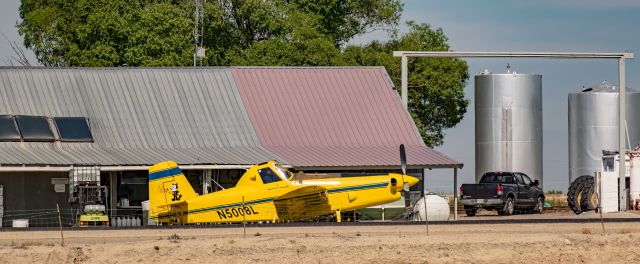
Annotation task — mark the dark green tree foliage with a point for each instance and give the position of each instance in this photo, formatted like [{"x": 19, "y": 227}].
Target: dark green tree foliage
[{"x": 89, "y": 33}]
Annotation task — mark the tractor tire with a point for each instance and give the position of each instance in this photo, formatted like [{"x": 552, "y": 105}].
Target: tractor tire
[
  {"x": 587, "y": 201},
  {"x": 579, "y": 194}
]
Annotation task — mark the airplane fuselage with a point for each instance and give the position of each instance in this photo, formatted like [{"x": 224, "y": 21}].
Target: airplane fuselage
[{"x": 262, "y": 194}]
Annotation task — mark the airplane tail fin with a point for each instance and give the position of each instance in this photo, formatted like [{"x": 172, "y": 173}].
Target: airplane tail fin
[{"x": 168, "y": 188}]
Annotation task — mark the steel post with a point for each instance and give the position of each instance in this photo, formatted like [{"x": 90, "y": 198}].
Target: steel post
[
  {"x": 622, "y": 136},
  {"x": 404, "y": 72},
  {"x": 455, "y": 194}
]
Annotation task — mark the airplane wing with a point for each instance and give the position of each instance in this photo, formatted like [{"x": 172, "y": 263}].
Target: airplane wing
[{"x": 304, "y": 202}]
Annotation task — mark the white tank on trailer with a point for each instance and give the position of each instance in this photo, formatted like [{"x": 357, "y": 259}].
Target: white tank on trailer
[{"x": 437, "y": 209}]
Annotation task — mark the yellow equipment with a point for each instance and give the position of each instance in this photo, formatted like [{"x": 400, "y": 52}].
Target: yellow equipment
[
  {"x": 267, "y": 192},
  {"x": 94, "y": 216},
  {"x": 90, "y": 199}
]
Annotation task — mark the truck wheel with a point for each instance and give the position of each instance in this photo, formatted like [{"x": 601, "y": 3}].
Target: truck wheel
[
  {"x": 539, "y": 205},
  {"x": 470, "y": 212},
  {"x": 508, "y": 207}
]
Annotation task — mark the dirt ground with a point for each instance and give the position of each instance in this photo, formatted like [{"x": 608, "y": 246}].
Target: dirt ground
[{"x": 472, "y": 243}]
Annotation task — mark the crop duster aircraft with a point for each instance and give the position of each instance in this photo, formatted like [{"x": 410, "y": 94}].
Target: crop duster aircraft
[{"x": 268, "y": 192}]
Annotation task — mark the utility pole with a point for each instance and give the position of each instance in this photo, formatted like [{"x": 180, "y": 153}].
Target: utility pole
[{"x": 195, "y": 35}]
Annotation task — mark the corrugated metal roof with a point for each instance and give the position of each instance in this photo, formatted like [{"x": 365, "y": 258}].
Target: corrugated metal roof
[
  {"x": 137, "y": 116},
  {"x": 332, "y": 117}
]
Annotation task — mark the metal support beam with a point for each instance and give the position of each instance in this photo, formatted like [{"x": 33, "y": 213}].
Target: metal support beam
[
  {"x": 206, "y": 181},
  {"x": 113, "y": 193},
  {"x": 621, "y": 57},
  {"x": 482, "y": 54},
  {"x": 405, "y": 81},
  {"x": 622, "y": 136},
  {"x": 455, "y": 194},
  {"x": 120, "y": 168}
]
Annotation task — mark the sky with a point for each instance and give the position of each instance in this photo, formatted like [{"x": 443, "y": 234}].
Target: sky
[
  {"x": 501, "y": 25},
  {"x": 543, "y": 25}
]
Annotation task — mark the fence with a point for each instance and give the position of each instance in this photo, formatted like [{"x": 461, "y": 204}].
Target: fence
[{"x": 68, "y": 217}]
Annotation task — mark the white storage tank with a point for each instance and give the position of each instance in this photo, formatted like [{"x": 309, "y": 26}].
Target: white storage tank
[
  {"x": 508, "y": 125},
  {"x": 593, "y": 126},
  {"x": 437, "y": 209}
]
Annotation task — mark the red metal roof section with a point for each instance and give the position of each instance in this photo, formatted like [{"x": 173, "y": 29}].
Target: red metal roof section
[{"x": 332, "y": 116}]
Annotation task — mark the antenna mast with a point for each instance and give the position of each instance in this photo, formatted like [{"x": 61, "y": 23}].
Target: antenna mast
[{"x": 198, "y": 36}]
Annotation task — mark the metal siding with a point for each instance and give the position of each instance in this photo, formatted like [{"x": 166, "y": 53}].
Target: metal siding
[
  {"x": 332, "y": 117},
  {"x": 138, "y": 116}
]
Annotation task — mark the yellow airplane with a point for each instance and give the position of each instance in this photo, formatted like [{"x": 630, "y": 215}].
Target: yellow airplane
[{"x": 267, "y": 192}]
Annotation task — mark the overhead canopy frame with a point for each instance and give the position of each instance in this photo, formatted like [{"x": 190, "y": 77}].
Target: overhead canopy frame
[{"x": 621, "y": 57}]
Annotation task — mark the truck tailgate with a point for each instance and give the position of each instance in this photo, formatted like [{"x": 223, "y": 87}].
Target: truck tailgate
[{"x": 481, "y": 190}]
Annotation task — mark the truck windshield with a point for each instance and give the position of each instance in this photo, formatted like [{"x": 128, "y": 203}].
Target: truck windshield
[{"x": 498, "y": 178}]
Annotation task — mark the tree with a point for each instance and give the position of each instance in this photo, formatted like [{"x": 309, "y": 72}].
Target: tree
[
  {"x": 250, "y": 32},
  {"x": 344, "y": 19},
  {"x": 107, "y": 33}
]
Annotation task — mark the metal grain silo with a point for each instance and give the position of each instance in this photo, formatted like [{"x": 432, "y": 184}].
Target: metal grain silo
[
  {"x": 593, "y": 126},
  {"x": 509, "y": 123}
]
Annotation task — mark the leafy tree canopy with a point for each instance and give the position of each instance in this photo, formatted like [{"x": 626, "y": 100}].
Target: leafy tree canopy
[{"x": 88, "y": 33}]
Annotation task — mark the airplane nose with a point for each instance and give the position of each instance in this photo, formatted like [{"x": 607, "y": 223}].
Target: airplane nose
[{"x": 410, "y": 180}]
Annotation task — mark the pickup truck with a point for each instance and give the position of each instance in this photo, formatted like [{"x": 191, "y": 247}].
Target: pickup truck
[{"x": 504, "y": 192}]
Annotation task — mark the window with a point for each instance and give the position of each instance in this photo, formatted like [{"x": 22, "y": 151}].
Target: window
[
  {"x": 73, "y": 129},
  {"x": 8, "y": 129},
  {"x": 284, "y": 173},
  {"x": 498, "y": 178},
  {"x": 519, "y": 177},
  {"x": 268, "y": 176},
  {"x": 34, "y": 128},
  {"x": 608, "y": 164},
  {"x": 526, "y": 180}
]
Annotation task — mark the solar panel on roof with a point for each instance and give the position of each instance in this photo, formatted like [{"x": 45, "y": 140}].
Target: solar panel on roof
[
  {"x": 8, "y": 129},
  {"x": 34, "y": 128},
  {"x": 73, "y": 129}
]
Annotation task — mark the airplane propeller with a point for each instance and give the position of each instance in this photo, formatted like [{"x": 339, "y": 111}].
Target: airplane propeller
[
  {"x": 403, "y": 165},
  {"x": 405, "y": 185}
]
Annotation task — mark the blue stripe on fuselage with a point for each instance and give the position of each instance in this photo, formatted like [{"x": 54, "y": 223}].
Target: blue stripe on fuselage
[
  {"x": 164, "y": 173},
  {"x": 359, "y": 187},
  {"x": 201, "y": 210}
]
